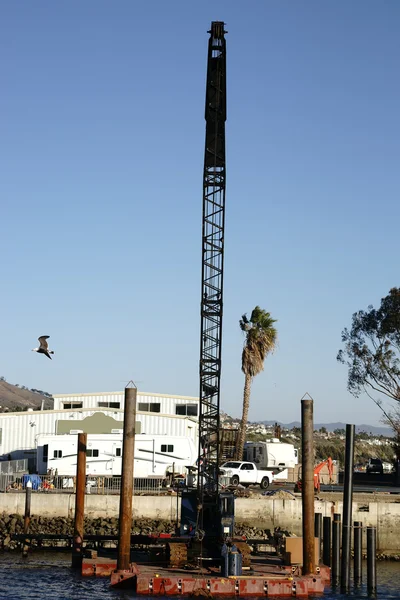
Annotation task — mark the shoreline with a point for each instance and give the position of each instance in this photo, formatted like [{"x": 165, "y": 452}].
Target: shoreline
[
  {"x": 255, "y": 512},
  {"x": 14, "y": 524}
]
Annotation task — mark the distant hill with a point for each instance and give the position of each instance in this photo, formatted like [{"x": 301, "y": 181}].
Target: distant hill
[
  {"x": 17, "y": 397},
  {"x": 332, "y": 426}
]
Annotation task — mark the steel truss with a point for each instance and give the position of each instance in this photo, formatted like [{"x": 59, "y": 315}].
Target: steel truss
[{"x": 212, "y": 267}]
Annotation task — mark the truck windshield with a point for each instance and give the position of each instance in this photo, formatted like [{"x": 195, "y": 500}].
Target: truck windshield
[{"x": 232, "y": 465}]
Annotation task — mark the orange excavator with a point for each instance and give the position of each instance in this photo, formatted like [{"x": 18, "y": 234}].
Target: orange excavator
[{"x": 317, "y": 470}]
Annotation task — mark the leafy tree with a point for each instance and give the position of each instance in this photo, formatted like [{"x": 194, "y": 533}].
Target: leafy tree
[
  {"x": 260, "y": 340},
  {"x": 323, "y": 430},
  {"x": 372, "y": 354},
  {"x": 339, "y": 431},
  {"x": 334, "y": 449}
]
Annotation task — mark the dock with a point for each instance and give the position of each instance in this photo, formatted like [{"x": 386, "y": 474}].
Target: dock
[{"x": 264, "y": 578}]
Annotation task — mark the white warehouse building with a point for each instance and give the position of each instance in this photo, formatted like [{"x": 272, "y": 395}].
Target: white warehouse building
[
  {"x": 157, "y": 414},
  {"x": 153, "y": 403}
]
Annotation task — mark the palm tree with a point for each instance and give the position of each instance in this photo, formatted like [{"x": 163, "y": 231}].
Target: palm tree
[{"x": 261, "y": 337}]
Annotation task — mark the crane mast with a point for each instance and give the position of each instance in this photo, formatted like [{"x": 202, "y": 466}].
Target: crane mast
[
  {"x": 212, "y": 269},
  {"x": 207, "y": 513}
]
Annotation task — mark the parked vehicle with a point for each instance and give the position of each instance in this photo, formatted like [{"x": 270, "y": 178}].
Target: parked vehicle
[
  {"x": 374, "y": 465},
  {"x": 317, "y": 470},
  {"x": 273, "y": 454},
  {"x": 155, "y": 455},
  {"x": 387, "y": 467},
  {"x": 247, "y": 473}
]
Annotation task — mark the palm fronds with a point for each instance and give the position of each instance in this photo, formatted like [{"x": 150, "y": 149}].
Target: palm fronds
[{"x": 260, "y": 340}]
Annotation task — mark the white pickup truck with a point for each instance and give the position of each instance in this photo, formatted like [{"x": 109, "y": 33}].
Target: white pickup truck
[{"x": 246, "y": 473}]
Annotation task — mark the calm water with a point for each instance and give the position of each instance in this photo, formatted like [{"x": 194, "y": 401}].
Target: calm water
[{"x": 45, "y": 576}]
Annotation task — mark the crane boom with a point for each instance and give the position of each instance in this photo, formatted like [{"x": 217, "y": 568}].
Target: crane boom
[
  {"x": 207, "y": 513},
  {"x": 212, "y": 264}
]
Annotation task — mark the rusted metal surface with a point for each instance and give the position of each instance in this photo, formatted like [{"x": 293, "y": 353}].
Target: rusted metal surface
[
  {"x": 105, "y": 566},
  {"x": 245, "y": 551},
  {"x": 98, "y": 567},
  {"x": 322, "y": 571},
  {"x": 160, "y": 584},
  {"x": 125, "y": 578},
  {"x": 178, "y": 554},
  {"x": 307, "y": 446},
  {"x": 79, "y": 501},
  {"x": 125, "y": 504}
]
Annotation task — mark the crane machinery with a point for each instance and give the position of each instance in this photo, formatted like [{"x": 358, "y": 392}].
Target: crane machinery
[
  {"x": 204, "y": 536},
  {"x": 207, "y": 512},
  {"x": 317, "y": 470}
]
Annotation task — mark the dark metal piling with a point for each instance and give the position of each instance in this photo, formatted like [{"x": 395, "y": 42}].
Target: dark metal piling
[
  {"x": 79, "y": 502},
  {"x": 336, "y": 527},
  {"x": 371, "y": 560},
  {"x": 347, "y": 509},
  {"x": 397, "y": 472},
  {"x": 125, "y": 504},
  {"x": 357, "y": 553},
  {"x": 307, "y": 496},
  {"x": 326, "y": 548},
  {"x": 318, "y": 530},
  {"x": 27, "y": 516}
]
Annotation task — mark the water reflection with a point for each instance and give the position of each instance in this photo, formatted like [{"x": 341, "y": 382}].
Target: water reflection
[{"x": 45, "y": 576}]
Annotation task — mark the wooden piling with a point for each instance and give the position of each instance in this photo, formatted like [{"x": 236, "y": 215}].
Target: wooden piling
[
  {"x": 27, "y": 516},
  {"x": 307, "y": 444},
  {"x": 125, "y": 505},
  {"x": 79, "y": 501},
  {"x": 318, "y": 530}
]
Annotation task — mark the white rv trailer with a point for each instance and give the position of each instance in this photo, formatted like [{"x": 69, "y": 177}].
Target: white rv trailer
[
  {"x": 273, "y": 454},
  {"x": 155, "y": 455}
]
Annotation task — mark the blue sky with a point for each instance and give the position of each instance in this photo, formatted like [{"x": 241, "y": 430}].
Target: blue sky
[{"x": 102, "y": 129}]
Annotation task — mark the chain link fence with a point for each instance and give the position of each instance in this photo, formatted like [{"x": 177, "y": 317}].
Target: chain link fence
[{"x": 94, "y": 485}]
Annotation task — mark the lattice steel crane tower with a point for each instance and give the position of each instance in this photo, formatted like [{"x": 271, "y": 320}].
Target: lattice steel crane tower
[
  {"x": 208, "y": 512},
  {"x": 214, "y": 177}
]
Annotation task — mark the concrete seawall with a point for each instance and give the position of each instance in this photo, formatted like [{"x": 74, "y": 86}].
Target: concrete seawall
[{"x": 256, "y": 511}]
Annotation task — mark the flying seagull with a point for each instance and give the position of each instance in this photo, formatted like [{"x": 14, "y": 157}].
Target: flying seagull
[{"x": 44, "y": 347}]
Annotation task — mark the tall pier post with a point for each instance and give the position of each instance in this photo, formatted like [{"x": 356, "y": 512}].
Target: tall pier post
[
  {"x": 27, "y": 516},
  {"x": 125, "y": 504},
  {"x": 371, "y": 560},
  {"x": 327, "y": 528},
  {"x": 318, "y": 530},
  {"x": 347, "y": 508},
  {"x": 307, "y": 497},
  {"x": 336, "y": 527},
  {"x": 357, "y": 553},
  {"x": 79, "y": 501}
]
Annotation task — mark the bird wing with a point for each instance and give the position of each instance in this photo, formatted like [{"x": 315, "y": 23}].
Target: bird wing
[{"x": 42, "y": 341}]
